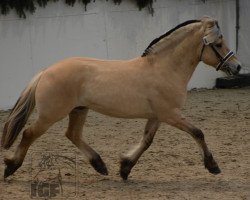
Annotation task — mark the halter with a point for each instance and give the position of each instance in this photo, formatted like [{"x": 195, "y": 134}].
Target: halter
[
  {"x": 222, "y": 60},
  {"x": 209, "y": 41}
]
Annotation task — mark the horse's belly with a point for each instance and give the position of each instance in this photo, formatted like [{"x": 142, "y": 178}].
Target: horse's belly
[
  {"x": 117, "y": 106},
  {"x": 122, "y": 113}
]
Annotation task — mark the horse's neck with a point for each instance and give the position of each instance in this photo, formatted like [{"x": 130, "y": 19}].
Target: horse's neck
[{"x": 180, "y": 55}]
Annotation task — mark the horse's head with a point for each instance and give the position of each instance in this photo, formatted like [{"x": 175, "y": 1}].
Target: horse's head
[{"x": 215, "y": 51}]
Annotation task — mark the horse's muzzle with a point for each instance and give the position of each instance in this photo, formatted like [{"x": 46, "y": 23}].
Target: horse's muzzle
[{"x": 231, "y": 69}]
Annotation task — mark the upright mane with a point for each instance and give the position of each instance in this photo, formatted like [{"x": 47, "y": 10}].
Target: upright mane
[{"x": 156, "y": 40}]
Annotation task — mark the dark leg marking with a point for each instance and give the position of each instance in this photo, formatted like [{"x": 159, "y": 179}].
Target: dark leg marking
[
  {"x": 11, "y": 167},
  {"x": 98, "y": 164},
  {"x": 209, "y": 161},
  {"x": 125, "y": 169},
  {"x": 129, "y": 161},
  {"x": 198, "y": 134},
  {"x": 211, "y": 165},
  {"x": 80, "y": 108}
]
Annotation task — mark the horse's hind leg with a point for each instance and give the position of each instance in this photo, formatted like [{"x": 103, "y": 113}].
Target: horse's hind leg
[
  {"x": 129, "y": 160},
  {"x": 77, "y": 118},
  {"x": 29, "y": 136}
]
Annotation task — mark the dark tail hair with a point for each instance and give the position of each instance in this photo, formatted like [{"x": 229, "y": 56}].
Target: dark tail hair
[{"x": 20, "y": 113}]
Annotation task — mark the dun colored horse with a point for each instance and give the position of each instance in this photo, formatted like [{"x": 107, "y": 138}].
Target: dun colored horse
[{"x": 152, "y": 86}]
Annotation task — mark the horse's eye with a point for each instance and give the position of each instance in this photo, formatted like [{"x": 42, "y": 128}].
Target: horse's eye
[{"x": 218, "y": 45}]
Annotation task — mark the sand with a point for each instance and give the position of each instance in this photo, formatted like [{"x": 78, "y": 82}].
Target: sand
[{"x": 171, "y": 168}]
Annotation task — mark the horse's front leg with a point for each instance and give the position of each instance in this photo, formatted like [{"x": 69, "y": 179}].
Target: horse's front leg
[
  {"x": 131, "y": 158},
  {"x": 180, "y": 122}
]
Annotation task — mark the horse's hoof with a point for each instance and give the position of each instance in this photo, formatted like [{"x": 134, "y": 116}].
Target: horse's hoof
[
  {"x": 214, "y": 170},
  {"x": 125, "y": 169},
  {"x": 124, "y": 175},
  {"x": 10, "y": 168},
  {"x": 211, "y": 165},
  {"x": 98, "y": 164}
]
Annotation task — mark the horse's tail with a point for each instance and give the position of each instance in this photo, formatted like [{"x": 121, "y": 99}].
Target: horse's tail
[{"x": 20, "y": 113}]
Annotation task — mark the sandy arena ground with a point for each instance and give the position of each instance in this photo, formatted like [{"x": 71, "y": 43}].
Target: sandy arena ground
[{"x": 170, "y": 169}]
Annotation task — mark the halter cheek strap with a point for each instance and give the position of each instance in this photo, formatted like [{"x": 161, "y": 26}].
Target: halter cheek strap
[{"x": 213, "y": 35}]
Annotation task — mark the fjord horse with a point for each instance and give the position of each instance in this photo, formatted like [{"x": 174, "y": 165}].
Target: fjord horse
[{"x": 153, "y": 86}]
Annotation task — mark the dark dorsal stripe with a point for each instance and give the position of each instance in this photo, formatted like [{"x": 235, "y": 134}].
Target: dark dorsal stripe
[{"x": 147, "y": 50}]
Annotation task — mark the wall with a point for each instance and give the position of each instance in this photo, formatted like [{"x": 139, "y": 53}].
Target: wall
[
  {"x": 244, "y": 33},
  {"x": 105, "y": 31}
]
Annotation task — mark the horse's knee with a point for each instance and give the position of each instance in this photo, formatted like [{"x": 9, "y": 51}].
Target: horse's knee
[{"x": 198, "y": 134}]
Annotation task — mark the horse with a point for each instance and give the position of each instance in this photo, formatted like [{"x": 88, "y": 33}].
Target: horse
[{"x": 152, "y": 86}]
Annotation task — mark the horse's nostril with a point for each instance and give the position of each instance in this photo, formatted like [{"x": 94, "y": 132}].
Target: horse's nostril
[{"x": 238, "y": 68}]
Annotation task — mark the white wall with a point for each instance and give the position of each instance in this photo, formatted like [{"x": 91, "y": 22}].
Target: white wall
[
  {"x": 105, "y": 30},
  {"x": 244, "y": 33}
]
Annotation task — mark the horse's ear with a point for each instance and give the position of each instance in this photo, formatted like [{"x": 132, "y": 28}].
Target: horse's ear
[{"x": 208, "y": 22}]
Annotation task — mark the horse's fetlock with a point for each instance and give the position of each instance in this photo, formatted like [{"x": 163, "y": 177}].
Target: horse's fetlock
[{"x": 198, "y": 134}]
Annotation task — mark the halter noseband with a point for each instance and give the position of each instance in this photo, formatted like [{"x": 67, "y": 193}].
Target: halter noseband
[
  {"x": 222, "y": 60},
  {"x": 209, "y": 41}
]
